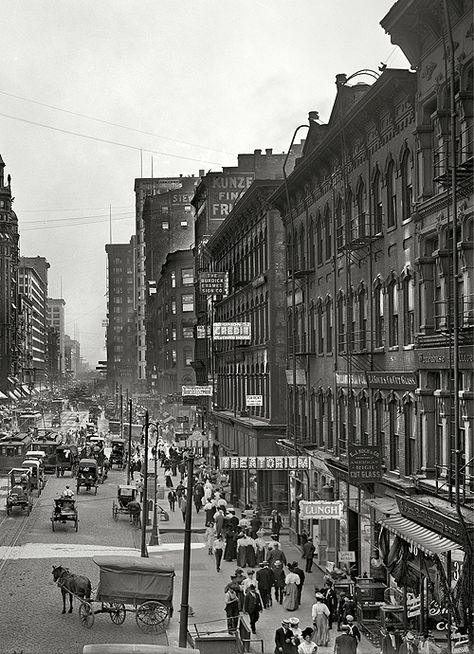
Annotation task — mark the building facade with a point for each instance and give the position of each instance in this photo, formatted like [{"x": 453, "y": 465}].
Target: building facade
[
  {"x": 9, "y": 261},
  {"x": 55, "y": 315},
  {"x": 72, "y": 357},
  {"x": 33, "y": 287},
  {"x": 173, "y": 320},
  {"x": 248, "y": 412},
  {"x": 121, "y": 335}
]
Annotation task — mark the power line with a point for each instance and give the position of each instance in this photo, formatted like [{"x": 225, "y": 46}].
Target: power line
[
  {"x": 124, "y": 206},
  {"x": 109, "y": 142},
  {"x": 42, "y": 226},
  {"x": 71, "y": 218},
  {"x": 107, "y": 122}
]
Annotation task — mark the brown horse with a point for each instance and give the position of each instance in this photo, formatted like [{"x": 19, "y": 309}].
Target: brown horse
[{"x": 71, "y": 584}]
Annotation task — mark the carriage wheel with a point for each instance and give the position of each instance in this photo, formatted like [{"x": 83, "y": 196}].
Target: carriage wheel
[
  {"x": 86, "y": 614},
  {"x": 117, "y": 612},
  {"x": 151, "y": 616},
  {"x": 114, "y": 511}
]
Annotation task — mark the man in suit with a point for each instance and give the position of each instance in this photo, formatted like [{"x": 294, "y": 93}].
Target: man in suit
[
  {"x": 391, "y": 641},
  {"x": 283, "y": 638},
  {"x": 252, "y": 606},
  {"x": 330, "y": 599},
  {"x": 298, "y": 571},
  {"x": 265, "y": 582},
  {"x": 308, "y": 554},
  {"x": 344, "y": 643}
]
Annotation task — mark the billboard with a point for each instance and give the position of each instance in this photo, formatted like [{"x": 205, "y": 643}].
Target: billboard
[
  {"x": 265, "y": 462},
  {"x": 365, "y": 462},
  {"x": 232, "y": 331},
  {"x": 224, "y": 189},
  {"x": 213, "y": 283},
  {"x": 320, "y": 509}
]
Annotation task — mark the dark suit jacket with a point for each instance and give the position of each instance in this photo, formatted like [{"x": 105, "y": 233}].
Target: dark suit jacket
[
  {"x": 345, "y": 644},
  {"x": 387, "y": 647},
  {"x": 252, "y": 603},
  {"x": 265, "y": 578}
]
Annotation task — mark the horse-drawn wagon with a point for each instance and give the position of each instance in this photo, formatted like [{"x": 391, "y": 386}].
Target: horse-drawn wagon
[
  {"x": 19, "y": 490},
  {"x": 117, "y": 455},
  {"x": 133, "y": 584},
  {"x": 64, "y": 510},
  {"x": 67, "y": 460},
  {"x": 87, "y": 475},
  {"x": 125, "y": 495}
]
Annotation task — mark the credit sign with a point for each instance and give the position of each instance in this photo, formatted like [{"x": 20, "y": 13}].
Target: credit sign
[{"x": 232, "y": 331}]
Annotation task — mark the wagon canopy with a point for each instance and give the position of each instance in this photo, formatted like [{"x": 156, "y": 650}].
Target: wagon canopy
[
  {"x": 88, "y": 463},
  {"x": 132, "y": 580}
]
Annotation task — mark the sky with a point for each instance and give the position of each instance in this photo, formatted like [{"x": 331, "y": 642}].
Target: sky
[{"x": 86, "y": 85}]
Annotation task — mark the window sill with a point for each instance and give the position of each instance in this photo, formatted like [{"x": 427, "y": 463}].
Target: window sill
[
  {"x": 391, "y": 229},
  {"x": 408, "y": 220},
  {"x": 407, "y": 348},
  {"x": 380, "y": 349},
  {"x": 393, "y": 348}
]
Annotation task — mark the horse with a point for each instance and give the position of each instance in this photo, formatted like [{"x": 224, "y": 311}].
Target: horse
[{"x": 70, "y": 583}]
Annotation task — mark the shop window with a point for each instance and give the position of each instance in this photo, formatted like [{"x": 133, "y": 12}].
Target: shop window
[{"x": 391, "y": 196}]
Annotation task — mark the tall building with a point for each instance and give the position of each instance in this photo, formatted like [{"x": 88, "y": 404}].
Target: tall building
[
  {"x": 55, "y": 315},
  {"x": 9, "y": 260},
  {"x": 154, "y": 228},
  {"x": 72, "y": 357},
  {"x": 121, "y": 315},
  {"x": 33, "y": 287}
]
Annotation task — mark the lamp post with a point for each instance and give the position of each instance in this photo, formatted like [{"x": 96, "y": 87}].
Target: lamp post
[
  {"x": 144, "y": 553},
  {"x": 183, "y": 619},
  {"x": 155, "y": 535},
  {"x": 129, "y": 441}
]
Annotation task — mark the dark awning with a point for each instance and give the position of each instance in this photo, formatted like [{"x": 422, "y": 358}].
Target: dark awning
[
  {"x": 386, "y": 505},
  {"x": 426, "y": 540}
]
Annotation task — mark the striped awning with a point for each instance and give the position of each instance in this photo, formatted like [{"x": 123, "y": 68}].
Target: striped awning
[
  {"x": 25, "y": 389},
  {"x": 169, "y": 419},
  {"x": 426, "y": 540},
  {"x": 3, "y": 396}
]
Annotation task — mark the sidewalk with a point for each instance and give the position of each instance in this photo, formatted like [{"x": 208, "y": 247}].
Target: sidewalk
[{"x": 206, "y": 596}]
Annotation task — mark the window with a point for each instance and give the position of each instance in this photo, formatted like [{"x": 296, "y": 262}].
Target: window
[
  {"x": 408, "y": 311},
  {"x": 410, "y": 443},
  {"x": 173, "y": 358},
  {"x": 377, "y": 197},
  {"x": 173, "y": 333},
  {"x": 173, "y": 279},
  {"x": 328, "y": 325},
  {"x": 391, "y": 196},
  {"x": 328, "y": 234},
  {"x": 188, "y": 331},
  {"x": 330, "y": 422},
  {"x": 320, "y": 434},
  {"x": 364, "y": 430},
  {"x": 319, "y": 241},
  {"x": 311, "y": 244},
  {"x": 394, "y": 436},
  {"x": 362, "y": 340},
  {"x": 173, "y": 307},
  {"x": 188, "y": 356},
  {"x": 187, "y": 303},
  {"x": 187, "y": 276},
  {"x": 339, "y": 225},
  {"x": 164, "y": 209},
  {"x": 183, "y": 224},
  {"x": 320, "y": 328},
  {"x": 165, "y": 225},
  {"x": 361, "y": 227},
  {"x": 379, "y": 426},
  {"x": 393, "y": 314},
  {"x": 378, "y": 316},
  {"x": 341, "y": 326},
  {"x": 342, "y": 425},
  {"x": 407, "y": 185}
]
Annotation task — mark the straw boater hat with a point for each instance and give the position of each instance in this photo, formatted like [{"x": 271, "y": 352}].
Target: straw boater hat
[
  {"x": 319, "y": 596},
  {"x": 277, "y": 562},
  {"x": 294, "y": 621},
  {"x": 409, "y": 636}
]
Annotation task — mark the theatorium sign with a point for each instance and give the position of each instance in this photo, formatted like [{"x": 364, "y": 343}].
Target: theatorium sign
[
  {"x": 265, "y": 463},
  {"x": 319, "y": 509}
]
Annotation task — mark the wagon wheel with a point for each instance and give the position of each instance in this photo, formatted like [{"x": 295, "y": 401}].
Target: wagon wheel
[
  {"x": 114, "y": 511},
  {"x": 117, "y": 612},
  {"x": 86, "y": 614},
  {"x": 151, "y": 616}
]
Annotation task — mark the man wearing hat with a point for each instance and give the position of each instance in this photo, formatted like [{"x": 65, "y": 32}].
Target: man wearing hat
[
  {"x": 409, "y": 645},
  {"x": 298, "y": 571},
  {"x": 265, "y": 583},
  {"x": 279, "y": 583},
  {"x": 284, "y": 639},
  {"x": 353, "y": 628},
  {"x": 276, "y": 554},
  {"x": 295, "y": 627},
  {"x": 250, "y": 580},
  {"x": 344, "y": 643},
  {"x": 308, "y": 554},
  {"x": 252, "y": 605}
]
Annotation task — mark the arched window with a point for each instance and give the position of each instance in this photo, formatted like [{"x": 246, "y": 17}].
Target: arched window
[
  {"x": 391, "y": 196},
  {"x": 377, "y": 199},
  {"x": 319, "y": 241},
  {"x": 364, "y": 424},
  {"x": 408, "y": 310},
  {"x": 411, "y": 455},
  {"x": 341, "y": 409},
  {"x": 378, "y": 314},
  {"x": 311, "y": 243},
  {"x": 341, "y": 323},
  {"x": 320, "y": 418},
  {"x": 320, "y": 328},
  {"x": 328, "y": 233},
  {"x": 339, "y": 225},
  {"x": 328, "y": 304},
  {"x": 362, "y": 310},
  {"x": 393, "y": 313},
  {"x": 394, "y": 433},
  {"x": 407, "y": 184},
  {"x": 330, "y": 420},
  {"x": 361, "y": 213}
]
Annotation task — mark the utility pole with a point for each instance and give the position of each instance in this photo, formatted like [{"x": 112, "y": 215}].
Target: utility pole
[
  {"x": 129, "y": 458},
  {"x": 183, "y": 619},
  {"x": 144, "y": 553},
  {"x": 155, "y": 536}
]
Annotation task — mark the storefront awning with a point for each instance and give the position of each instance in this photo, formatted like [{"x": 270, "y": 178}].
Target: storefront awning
[
  {"x": 12, "y": 395},
  {"x": 426, "y": 540},
  {"x": 3, "y": 396},
  {"x": 386, "y": 505},
  {"x": 25, "y": 389}
]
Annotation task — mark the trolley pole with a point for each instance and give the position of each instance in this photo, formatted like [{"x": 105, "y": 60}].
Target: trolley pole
[
  {"x": 129, "y": 457},
  {"x": 144, "y": 553},
  {"x": 183, "y": 619}
]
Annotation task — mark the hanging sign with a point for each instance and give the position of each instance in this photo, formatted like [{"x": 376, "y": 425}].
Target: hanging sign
[
  {"x": 365, "y": 462},
  {"x": 347, "y": 556},
  {"x": 254, "y": 400},
  {"x": 213, "y": 283},
  {"x": 197, "y": 391},
  {"x": 265, "y": 462},
  {"x": 320, "y": 509},
  {"x": 413, "y": 605},
  {"x": 232, "y": 331}
]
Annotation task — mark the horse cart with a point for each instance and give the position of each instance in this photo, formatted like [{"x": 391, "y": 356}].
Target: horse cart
[
  {"x": 117, "y": 455},
  {"x": 19, "y": 491},
  {"x": 37, "y": 473},
  {"x": 67, "y": 460},
  {"x": 125, "y": 495},
  {"x": 133, "y": 584},
  {"x": 87, "y": 475},
  {"x": 64, "y": 511}
]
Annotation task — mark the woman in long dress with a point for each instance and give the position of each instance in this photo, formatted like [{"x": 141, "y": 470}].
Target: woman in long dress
[
  {"x": 292, "y": 581},
  {"x": 320, "y": 614}
]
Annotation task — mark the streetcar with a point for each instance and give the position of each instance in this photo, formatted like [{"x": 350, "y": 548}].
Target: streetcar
[
  {"x": 28, "y": 422},
  {"x": 13, "y": 448}
]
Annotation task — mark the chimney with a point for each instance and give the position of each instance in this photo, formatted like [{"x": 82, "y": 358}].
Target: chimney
[
  {"x": 268, "y": 151},
  {"x": 201, "y": 173},
  {"x": 341, "y": 79},
  {"x": 257, "y": 152},
  {"x": 313, "y": 116}
]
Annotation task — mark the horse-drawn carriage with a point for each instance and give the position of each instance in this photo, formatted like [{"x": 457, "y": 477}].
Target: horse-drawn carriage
[
  {"x": 67, "y": 460},
  {"x": 19, "y": 490},
  {"x": 64, "y": 511},
  {"x": 117, "y": 455},
  {"x": 132, "y": 584},
  {"x": 87, "y": 475},
  {"x": 37, "y": 473},
  {"x": 125, "y": 495}
]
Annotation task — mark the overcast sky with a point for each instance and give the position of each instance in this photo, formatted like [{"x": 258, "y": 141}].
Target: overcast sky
[{"x": 195, "y": 81}]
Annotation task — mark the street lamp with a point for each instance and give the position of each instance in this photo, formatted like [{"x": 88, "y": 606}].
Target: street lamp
[
  {"x": 144, "y": 552},
  {"x": 183, "y": 619}
]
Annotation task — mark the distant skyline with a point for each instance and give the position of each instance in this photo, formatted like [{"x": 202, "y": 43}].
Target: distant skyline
[{"x": 86, "y": 85}]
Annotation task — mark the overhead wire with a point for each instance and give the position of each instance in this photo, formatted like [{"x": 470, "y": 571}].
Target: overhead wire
[
  {"x": 71, "y": 218},
  {"x": 108, "y": 122},
  {"x": 108, "y": 141}
]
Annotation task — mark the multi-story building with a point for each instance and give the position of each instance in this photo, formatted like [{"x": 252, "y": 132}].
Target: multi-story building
[
  {"x": 33, "y": 287},
  {"x": 55, "y": 316},
  {"x": 173, "y": 320},
  {"x": 9, "y": 260},
  {"x": 248, "y": 414},
  {"x": 145, "y": 187},
  {"x": 72, "y": 357},
  {"x": 121, "y": 315},
  {"x": 168, "y": 227}
]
